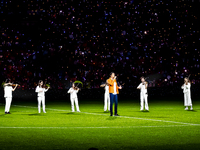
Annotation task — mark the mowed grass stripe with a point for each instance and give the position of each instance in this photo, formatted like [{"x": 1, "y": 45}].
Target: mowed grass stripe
[{"x": 147, "y": 119}]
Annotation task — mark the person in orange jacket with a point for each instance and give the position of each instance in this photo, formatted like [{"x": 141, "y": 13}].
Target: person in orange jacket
[{"x": 113, "y": 90}]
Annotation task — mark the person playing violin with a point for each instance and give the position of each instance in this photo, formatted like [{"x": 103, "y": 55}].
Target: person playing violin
[
  {"x": 8, "y": 89},
  {"x": 143, "y": 94},
  {"x": 40, "y": 90},
  {"x": 73, "y": 97},
  {"x": 187, "y": 93}
]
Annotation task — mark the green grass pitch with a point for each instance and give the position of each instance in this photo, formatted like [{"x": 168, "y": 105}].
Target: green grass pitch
[{"x": 166, "y": 126}]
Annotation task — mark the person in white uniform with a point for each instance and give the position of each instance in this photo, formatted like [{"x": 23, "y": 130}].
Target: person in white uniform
[
  {"x": 187, "y": 94},
  {"x": 106, "y": 97},
  {"x": 73, "y": 97},
  {"x": 40, "y": 90},
  {"x": 143, "y": 94},
  {"x": 8, "y": 95}
]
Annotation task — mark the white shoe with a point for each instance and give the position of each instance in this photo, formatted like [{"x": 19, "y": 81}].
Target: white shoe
[
  {"x": 191, "y": 108},
  {"x": 186, "y": 108},
  {"x": 39, "y": 112},
  {"x": 44, "y": 112},
  {"x": 79, "y": 111},
  {"x": 72, "y": 111},
  {"x": 141, "y": 109}
]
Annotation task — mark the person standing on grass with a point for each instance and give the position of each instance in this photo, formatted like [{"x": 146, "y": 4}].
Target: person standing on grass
[
  {"x": 106, "y": 97},
  {"x": 143, "y": 94},
  {"x": 73, "y": 97},
  {"x": 40, "y": 89},
  {"x": 187, "y": 95},
  {"x": 113, "y": 90},
  {"x": 8, "y": 95}
]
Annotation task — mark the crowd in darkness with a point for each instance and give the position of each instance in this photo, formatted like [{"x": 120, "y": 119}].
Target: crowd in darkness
[{"x": 66, "y": 40}]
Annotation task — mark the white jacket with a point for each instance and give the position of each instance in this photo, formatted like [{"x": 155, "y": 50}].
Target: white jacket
[
  {"x": 73, "y": 93},
  {"x": 8, "y": 91},
  {"x": 186, "y": 88},
  {"x": 142, "y": 88},
  {"x": 41, "y": 91}
]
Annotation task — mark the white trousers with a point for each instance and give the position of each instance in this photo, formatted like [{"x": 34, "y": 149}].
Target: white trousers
[
  {"x": 41, "y": 99},
  {"x": 187, "y": 99},
  {"x": 143, "y": 99},
  {"x": 106, "y": 101},
  {"x": 74, "y": 100},
  {"x": 8, "y": 103}
]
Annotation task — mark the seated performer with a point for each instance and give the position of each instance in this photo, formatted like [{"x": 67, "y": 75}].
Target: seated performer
[
  {"x": 8, "y": 94},
  {"x": 187, "y": 95},
  {"x": 143, "y": 94},
  {"x": 73, "y": 97},
  {"x": 40, "y": 89}
]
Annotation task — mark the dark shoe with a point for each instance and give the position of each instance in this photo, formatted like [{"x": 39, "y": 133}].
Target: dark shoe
[
  {"x": 8, "y": 113},
  {"x": 116, "y": 115},
  {"x": 5, "y": 112},
  {"x": 111, "y": 115}
]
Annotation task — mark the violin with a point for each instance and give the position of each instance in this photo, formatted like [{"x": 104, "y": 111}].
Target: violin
[
  {"x": 45, "y": 85},
  {"x": 76, "y": 88},
  {"x": 144, "y": 83},
  {"x": 15, "y": 84},
  {"x": 10, "y": 84}
]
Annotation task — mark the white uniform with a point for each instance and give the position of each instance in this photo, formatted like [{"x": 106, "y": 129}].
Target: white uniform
[
  {"x": 73, "y": 98},
  {"x": 41, "y": 98},
  {"x": 143, "y": 96},
  {"x": 106, "y": 99},
  {"x": 8, "y": 97},
  {"x": 187, "y": 94}
]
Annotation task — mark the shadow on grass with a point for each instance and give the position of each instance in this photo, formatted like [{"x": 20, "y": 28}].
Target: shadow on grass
[
  {"x": 101, "y": 112},
  {"x": 111, "y": 118},
  {"x": 70, "y": 113},
  {"x": 193, "y": 110},
  {"x": 35, "y": 114},
  {"x": 144, "y": 111},
  {"x": 106, "y": 112}
]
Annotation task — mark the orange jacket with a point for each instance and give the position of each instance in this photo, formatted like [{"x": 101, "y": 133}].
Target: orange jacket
[{"x": 111, "y": 85}]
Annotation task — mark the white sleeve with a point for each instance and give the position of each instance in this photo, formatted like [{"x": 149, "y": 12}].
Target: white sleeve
[
  {"x": 183, "y": 86},
  {"x": 139, "y": 86},
  {"x": 70, "y": 90},
  {"x": 45, "y": 90},
  {"x": 37, "y": 89}
]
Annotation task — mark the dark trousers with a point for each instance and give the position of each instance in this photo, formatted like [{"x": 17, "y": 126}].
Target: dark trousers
[{"x": 113, "y": 99}]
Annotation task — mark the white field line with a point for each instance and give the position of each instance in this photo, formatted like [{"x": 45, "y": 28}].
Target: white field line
[
  {"x": 118, "y": 127},
  {"x": 183, "y": 123},
  {"x": 147, "y": 119}
]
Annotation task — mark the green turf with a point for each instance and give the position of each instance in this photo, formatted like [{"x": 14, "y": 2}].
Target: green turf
[{"x": 166, "y": 126}]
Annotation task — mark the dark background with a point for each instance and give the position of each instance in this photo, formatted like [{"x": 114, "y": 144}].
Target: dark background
[{"x": 63, "y": 41}]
